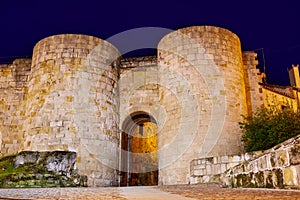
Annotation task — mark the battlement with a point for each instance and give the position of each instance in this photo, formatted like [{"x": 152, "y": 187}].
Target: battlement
[
  {"x": 15, "y": 74},
  {"x": 138, "y": 61}
]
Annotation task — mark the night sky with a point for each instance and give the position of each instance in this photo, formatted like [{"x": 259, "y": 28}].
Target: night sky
[{"x": 271, "y": 25}]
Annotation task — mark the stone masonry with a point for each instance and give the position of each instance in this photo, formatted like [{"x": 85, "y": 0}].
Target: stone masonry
[
  {"x": 77, "y": 92},
  {"x": 13, "y": 87},
  {"x": 278, "y": 167},
  {"x": 203, "y": 67},
  {"x": 253, "y": 77}
]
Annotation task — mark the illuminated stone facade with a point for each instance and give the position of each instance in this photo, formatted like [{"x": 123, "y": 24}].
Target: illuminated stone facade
[{"x": 133, "y": 121}]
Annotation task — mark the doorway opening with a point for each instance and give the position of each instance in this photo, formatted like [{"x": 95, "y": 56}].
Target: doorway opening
[{"x": 139, "y": 157}]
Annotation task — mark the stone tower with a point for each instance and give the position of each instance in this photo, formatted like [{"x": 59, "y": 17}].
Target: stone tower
[
  {"x": 72, "y": 103},
  {"x": 204, "y": 96}
]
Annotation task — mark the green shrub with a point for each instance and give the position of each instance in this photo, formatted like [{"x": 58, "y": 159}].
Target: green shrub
[{"x": 269, "y": 127}]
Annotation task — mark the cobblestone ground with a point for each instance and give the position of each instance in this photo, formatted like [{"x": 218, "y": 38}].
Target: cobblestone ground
[
  {"x": 61, "y": 193},
  {"x": 213, "y": 191},
  {"x": 161, "y": 192}
]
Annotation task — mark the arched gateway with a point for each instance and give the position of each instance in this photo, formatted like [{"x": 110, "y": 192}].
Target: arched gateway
[{"x": 139, "y": 159}]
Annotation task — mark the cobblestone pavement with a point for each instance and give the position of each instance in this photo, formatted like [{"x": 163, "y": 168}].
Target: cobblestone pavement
[
  {"x": 61, "y": 193},
  {"x": 213, "y": 191},
  {"x": 149, "y": 193},
  {"x": 183, "y": 192}
]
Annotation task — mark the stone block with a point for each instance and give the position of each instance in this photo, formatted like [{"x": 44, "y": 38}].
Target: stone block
[
  {"x": 268, "y": 161},
  {"x": 223, "y": 167},
  {"x": 247, "y": 167},
  {"x": 294, "y": 154},
  {"x": 201, "y": 166},
  {"x": 277, "y": 178},
  {"x": 253, "y": 166},
  {"x": 206, "y": 179},
  {"x": 282, "y": 159},
  {"x": 215, "y": 160},
  {"x": 56, "y": 124},
  {"x": 258, "y": 179},
  {"x": 234, "y": 159},
  {"x": 216, "y": 169},
  {"x": 268, "y": 179},
  {"x": 198, "y": 172},
  {"x": 193, "y": 180},
  {"x": 208, "y": 169},
  {"x": 273, "y": 160},
  {"x": 297, "y": 178},
  {"x": 224, "y": 159},
  {"x": 290, "y": 176},
  {"x": 262, "y": 163}
]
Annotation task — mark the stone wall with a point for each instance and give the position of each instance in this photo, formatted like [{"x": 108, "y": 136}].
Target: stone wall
[
  {"x": 138, "y": 86},
  {"x": 203, "y": 93},
  {"x": 211, "y": 169},
  {"x": 278, "y": 167},
  {"x": 13, "y": 87}
]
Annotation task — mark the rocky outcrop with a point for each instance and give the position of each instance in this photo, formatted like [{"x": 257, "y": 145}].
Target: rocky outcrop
[{"x": 40, "y": 169}]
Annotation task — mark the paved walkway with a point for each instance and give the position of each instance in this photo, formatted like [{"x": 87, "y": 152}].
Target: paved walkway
[
  {"x": 214, "y": 191},
  {"x": 149, "y": 193},
  {"x": 187, "y": 192}
]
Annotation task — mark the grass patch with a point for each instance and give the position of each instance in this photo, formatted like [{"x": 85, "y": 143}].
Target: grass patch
[{"x": 7, "y": 167}]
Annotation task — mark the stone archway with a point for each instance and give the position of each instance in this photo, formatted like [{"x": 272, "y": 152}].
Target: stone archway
[{"x": 139, "y": 158}]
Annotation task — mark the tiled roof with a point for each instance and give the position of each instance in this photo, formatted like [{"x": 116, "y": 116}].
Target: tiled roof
[{"x": 283, "y": 90}]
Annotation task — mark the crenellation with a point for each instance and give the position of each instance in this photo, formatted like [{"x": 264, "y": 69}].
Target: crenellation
[
  {"x": 139, "y": 61},
  {"x": 253, "y": 78}
]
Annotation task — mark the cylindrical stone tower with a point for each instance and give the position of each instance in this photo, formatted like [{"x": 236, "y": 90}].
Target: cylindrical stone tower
[
  {"x": 72, "y": 102},
  {"x": 203, "y": 94}
]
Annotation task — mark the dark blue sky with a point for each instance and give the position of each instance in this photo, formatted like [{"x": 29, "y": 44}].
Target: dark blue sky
[{"x": 273, "y": 26}]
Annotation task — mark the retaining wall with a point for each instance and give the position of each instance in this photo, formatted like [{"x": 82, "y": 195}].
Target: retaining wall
[{"x": 278, "y": 167}]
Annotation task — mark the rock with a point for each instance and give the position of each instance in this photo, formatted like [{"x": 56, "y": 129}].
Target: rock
[
  {"x": 44, "y": 169},
  {"x": 26, "y": 157},
  {"x": 61, "y": 162}
]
